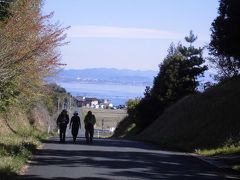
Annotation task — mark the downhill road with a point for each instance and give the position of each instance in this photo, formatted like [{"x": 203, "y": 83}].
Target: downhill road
[{"x": 115, "y": 159}]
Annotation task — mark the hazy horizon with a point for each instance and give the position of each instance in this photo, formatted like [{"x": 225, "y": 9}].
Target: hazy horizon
[{"x": 115, "y": 68}]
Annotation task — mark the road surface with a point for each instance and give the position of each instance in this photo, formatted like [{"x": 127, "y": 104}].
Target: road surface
[{"x": 115, "y": 159}]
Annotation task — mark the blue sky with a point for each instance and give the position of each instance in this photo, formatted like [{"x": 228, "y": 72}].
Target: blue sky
[{"x": 128, "y": 34}]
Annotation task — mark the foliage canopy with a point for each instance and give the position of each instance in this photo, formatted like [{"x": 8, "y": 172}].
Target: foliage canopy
[
  {"x": 28, "y": 53},
  {"x": 177, "y": 78},
  {"x": 225, "y": 38}
]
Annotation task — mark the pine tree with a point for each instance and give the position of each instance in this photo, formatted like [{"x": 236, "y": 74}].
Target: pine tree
[
  {"x": 179, "y": 71},
  {"x": 225, "y": 30},
  {"x": 224, "y": 46},
  {"x": 177, "y": 78}
]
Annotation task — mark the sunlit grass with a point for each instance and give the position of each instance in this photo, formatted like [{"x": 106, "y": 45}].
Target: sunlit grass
[
  {"x": 225, "y": 150},
  {"x": 221, "y": 150},
  {"x": 236, "y": 167},
  {"x": 15, "y": 149}
]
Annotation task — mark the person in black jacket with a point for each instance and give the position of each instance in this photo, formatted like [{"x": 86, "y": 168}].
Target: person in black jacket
[
  {"x": 89, "y": 122},
  {"x": 62, "y": 122},
  {"x": 75, "y": 124}
]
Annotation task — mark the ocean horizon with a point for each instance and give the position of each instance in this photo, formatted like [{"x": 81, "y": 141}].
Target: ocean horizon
[{"x": 118, "y": 94}]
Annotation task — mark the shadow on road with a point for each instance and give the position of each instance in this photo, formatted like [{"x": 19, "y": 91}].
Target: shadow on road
[
  {"x": 112, "y": 159},
  {"x": 105, "y": 142}
]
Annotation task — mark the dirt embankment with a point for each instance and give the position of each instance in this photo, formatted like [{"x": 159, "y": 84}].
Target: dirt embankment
[{"x": 206, "y": 120}]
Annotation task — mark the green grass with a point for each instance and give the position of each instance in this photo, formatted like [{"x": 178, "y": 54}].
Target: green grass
[
  {"x": 228, "y": 154},
  {"x": 232, "y": 149},
  {"x": 15, "y": 149},
  {"x": 236, "y": 167},
  {"x": 205, "y": 123},
  {"x": 201, "y": 121}
]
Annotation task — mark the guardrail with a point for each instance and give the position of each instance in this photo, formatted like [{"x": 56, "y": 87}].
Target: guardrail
[{"x": 102, "y": 133}]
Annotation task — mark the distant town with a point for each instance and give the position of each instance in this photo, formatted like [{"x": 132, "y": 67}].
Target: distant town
[{"x": 92, "y": 102}]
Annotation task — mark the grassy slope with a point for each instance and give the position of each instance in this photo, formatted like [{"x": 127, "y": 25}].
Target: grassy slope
[
  {"x": 207, "y": 120},
  {"x": 18, "y": 139}
]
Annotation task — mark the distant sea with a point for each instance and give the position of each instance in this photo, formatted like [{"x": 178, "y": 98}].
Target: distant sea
[{"x": 118, "y": 94}]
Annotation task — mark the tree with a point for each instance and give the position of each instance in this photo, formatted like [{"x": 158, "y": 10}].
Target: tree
[
  {"x": 147, "y": 111},
  {"x": 131, "y": 105},
  {"x": 28, "y": 53},
  {"x": 179, "y": 72},
  {"x": 225, "y": 37},
  {"x": 4, "y": 5},
  {"x": 177, "y": 78},
  {"x": 226, "y": 67}
]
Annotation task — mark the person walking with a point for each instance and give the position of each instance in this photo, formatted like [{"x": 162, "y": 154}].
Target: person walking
[
  {"x": 89, "y": 122},
  {"x": 75, "y": 125},
  {"x": 62, "y": 122}
]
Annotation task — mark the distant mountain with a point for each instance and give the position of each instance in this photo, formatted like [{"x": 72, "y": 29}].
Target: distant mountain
[{"x": 106, "y": 75}]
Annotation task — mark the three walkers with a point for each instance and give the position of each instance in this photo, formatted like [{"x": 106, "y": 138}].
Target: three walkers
[{"x": 75, "y": 125}]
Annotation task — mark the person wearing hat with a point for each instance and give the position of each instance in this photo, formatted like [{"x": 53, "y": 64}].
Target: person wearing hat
[
  {"x": 75, "y": 124},
  {"x": 62, "y": 122},
  {"x": 89, "y": 122}
]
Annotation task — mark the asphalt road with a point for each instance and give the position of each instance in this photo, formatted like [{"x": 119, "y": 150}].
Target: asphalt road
[{"x": 115, "y": 159}]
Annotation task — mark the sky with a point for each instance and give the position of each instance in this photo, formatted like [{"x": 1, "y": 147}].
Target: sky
[{"x": 128, "y": 34}]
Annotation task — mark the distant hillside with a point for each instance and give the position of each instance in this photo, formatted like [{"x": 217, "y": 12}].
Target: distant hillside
[
  {"x": 105, "y": 75},
  {"x": 206, "y": 120}
]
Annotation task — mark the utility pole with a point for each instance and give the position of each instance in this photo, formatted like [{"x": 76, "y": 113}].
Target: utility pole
[
  {"x": 102, "y": 124},
  {"x": 70, "y": 102},
  {"x": 58, "y": 105}
]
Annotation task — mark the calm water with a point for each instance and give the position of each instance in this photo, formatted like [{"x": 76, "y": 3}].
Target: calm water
[{"x": 117, "y": 94}]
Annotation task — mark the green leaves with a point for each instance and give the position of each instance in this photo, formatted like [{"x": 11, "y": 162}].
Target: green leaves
[
  {"x": 28, "y": 53},
  {"x": 179, "y": 71},
  {"x": 225, "y": 38},
  {"x": 8, "y": 94},
  {"x": 225, "y": 30},
  {"x": 4, "y": 13},
  {"x": 191, "y": 37},
  {"x": 177, "y": 78}
]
